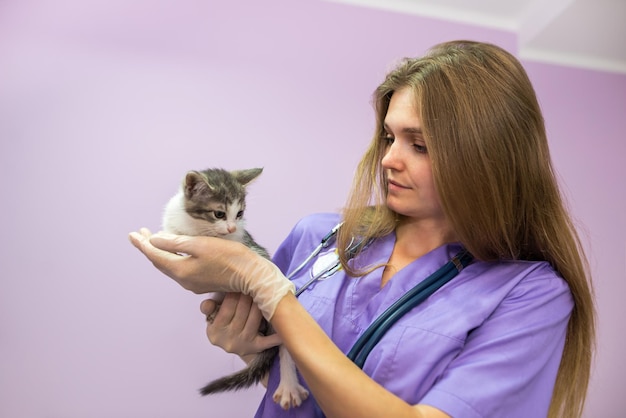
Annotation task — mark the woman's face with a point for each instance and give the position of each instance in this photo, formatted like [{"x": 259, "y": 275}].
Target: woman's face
[{"x": 407, "y": 165}]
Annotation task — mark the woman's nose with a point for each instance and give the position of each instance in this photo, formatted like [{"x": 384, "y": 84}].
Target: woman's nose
[{"x": 391, "y": 159}]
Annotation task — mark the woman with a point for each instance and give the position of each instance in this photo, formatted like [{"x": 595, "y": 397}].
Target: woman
[{"x": 459, "y": 162}]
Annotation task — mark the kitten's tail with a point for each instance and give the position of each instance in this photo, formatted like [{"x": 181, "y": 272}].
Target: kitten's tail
[{"x": 251, "y": 375}]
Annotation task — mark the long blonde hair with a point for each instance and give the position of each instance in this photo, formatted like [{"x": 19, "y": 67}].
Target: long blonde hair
[{"x": 485, "y": 135}]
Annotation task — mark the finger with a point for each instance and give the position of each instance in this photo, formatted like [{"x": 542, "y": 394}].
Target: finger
[
  {"x": 141, "y": 240},
  {"x": 227, "y": 311},
  {"x": 208, "y": 306},
  {"x": 176, "y": 243},
  {"x": 253, "y": 320},
  {"x": 161, "y": 259},
  {"x": 136, "y": 238},
  {"x": 169, "y": 242},
  {"x": 196, "y": 246},
  {"x": 241, "y": 319}
]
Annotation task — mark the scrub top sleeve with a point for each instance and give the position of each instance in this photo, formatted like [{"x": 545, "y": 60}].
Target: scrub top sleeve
[
  {"x": 508, "y": 365},
  {"x": 284, "y": 254}
]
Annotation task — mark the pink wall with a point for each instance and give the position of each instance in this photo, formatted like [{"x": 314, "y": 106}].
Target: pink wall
[{"x": 104, "y": 106}]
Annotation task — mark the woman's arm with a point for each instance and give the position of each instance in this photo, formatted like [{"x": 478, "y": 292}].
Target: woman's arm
[
  {"x": 339, "y": 387},
  {"x": 213, "y": 264}
]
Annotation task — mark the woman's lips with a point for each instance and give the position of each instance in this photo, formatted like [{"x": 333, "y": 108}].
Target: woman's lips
[{"x": 394, "y": 185}]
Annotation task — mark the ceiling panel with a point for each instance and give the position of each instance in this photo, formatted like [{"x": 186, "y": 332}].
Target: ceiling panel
[{"x": 580, "y": 33}]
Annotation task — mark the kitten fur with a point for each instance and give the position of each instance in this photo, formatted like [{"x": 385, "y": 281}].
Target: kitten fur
[{"x": 212, "y": 203}]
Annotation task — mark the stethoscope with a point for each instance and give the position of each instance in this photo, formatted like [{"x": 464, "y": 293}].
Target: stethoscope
[
  {"x": 331, "y": 264},
  {"x": 325, "y": 243},
  {"x": 373, "y": 334}
]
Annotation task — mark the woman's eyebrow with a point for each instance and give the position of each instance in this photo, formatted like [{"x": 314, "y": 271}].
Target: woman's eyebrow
[
  {"x": 412, "y": 131},
  {"x": 407, "y": 130}
]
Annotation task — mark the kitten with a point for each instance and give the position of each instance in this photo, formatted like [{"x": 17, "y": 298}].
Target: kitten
[{"x": 212, "y": 203}]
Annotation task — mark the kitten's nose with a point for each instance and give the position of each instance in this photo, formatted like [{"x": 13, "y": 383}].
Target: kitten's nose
[{"x": 231, "y": 228}]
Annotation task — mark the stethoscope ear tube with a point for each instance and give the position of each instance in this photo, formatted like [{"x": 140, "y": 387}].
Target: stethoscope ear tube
[
  {"x": 372, "y": 335},
  {"x": 326, "y": 241}
]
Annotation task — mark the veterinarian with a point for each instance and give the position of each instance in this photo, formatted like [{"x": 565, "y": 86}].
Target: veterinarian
[{"x": 457, "y": 181}]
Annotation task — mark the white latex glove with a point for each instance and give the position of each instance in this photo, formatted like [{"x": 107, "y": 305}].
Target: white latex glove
[{"x": 215, "y": 265}]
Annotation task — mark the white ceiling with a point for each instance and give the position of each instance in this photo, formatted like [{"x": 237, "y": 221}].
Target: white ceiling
[{"x": 588, "y": 34}]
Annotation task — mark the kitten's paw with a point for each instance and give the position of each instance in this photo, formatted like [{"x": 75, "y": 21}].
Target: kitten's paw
[{"x": 290, "y": 396}]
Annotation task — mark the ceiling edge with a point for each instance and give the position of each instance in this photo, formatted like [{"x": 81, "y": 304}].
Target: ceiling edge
[
  {"x": 436, "y": 12},
  {"x": 572, "y": 60},
  {"x": 537, "y": 17}
]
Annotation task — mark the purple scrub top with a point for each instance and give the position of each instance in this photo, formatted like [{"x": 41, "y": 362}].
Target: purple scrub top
[{"x": 487, "y": 344}]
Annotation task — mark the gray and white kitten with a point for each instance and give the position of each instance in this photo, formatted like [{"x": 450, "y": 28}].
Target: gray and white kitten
[{"x": 212, "y": 203}]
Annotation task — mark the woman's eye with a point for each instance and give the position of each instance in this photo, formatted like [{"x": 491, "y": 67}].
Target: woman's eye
[
  {"x": 420, "y": 148},
  {"x": 240, "y": 214},
  {"x": 219, "y": 214},
  {"x": 388, "y": 139}
]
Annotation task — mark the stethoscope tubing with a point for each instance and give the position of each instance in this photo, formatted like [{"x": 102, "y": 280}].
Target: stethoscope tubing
[
  {"x": 317, "y": 277},
  {"x": 374, "y": 333},
  {"x": 326, "y": 241},
  {"x": 353, "y": 247}
]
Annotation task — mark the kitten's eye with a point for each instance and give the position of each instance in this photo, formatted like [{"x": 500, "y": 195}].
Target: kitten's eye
[
  {"x": 240, "y": 214},
  {"x": 219, "y": 214}
]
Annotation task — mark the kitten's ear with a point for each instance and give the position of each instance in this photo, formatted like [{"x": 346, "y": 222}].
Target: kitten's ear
[
  {"x": 195, "y": 183},
  {"x": 246, "y": 176}
]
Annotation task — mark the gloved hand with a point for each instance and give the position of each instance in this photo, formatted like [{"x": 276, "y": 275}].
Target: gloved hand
[
  {"x": 205, "y": 264},
  {"x": 234, "y": 325}
]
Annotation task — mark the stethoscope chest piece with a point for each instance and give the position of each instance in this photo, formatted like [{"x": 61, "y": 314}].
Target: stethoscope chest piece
[{"x": 326, "y": 265}]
